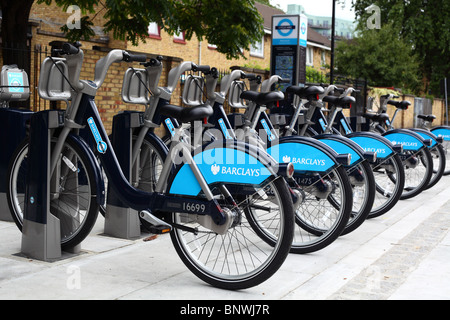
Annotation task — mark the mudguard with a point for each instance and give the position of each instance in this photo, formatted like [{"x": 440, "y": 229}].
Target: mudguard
[
  {"x": 94, "y": 164},
  {"x": 342, "y": 144},
  {"x": 427, "y": 135},
  {"x": 410, "y": 140},
  {"x": 306, "y": 154},
  {"x": 231, "y": 162},
  {"x": 442, "y": 131},
  {"x": 370, "y": 141}
]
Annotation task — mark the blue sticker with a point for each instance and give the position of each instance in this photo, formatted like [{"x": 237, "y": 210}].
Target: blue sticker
[
  {"x": 341, "y": 148},
  {"x": 373, "y": 145},
  {"x": 322, "y": 124},
  {"x": 170, "y": 126},
  {"x": 408, "y": 142},
  {"x": 345, "y": 126},
  {"x": 427, "y": 136},
  {"x": 220, "y": 165},
  {"x": 270, "y": 135},
  {"x": 101, "y": 145},
  {"x": 15, "y": 79},
  {"x": 224, "y": 129},
  {"x": 442, "y": 132},
  {"x": 304, "y": 157}
]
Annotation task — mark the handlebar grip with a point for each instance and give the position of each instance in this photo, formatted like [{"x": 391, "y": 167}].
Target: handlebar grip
[
  {"x": 129, "y": 57},
  {"x": 68, "y": 48},
  {"x": 249, "y": 76},
  {"x": 201, "y": 68}
]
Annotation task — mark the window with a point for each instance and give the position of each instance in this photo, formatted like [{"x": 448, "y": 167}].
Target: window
[
  {"x": 154, "y": 31},
  {"x": 323, "y": 60},
  {"x": 178, "y": 37},
  {"x": 257, "y": 49},
  {"x": 309, "y": 56}
]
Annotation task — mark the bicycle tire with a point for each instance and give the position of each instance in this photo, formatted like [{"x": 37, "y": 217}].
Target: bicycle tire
[
  {"x": 319, "y": 222},
  {"x": 388, "y": 190},
  {"x": 361, "y": 209},
  {"x": 417, "y": 177},
  {"x": 438, "y": 154},
  {"x": 241, "y": 258},
  {"x": 67, "y": 203}
]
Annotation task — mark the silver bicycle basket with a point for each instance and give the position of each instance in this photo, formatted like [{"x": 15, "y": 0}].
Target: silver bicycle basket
[
  {"x": 52, "y": 80},
  {"x": 134, "y": 86},
  {"x": 193, "y": 90},
  {"x": 234, "y": 94}
]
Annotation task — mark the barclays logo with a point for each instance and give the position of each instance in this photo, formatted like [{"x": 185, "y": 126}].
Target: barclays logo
[{"x": 215, "y": 169}]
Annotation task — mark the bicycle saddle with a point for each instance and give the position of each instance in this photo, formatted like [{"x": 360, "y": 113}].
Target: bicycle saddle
[
  {"x": 382, "y": 118},
  {"x": 344, "y": 102},
  {"x": 305, "y": 92},
  {"x": 403, "y": 105},
  {"x": 187, "y": 114},
  {"x": 427, "y": 117},
  {"x": 262, "y": 98}
]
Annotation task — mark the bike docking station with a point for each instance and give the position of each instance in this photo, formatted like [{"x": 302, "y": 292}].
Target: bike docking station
[
  {"x": 41, "y": 235},
  {"x": 120, "y": 220},
  {"x": 13, "y": 123}
]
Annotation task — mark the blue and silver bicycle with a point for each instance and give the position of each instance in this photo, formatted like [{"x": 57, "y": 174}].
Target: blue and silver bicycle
[{"x": 194, "y": 198}]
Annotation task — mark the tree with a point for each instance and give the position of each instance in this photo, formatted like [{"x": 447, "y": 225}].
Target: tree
[
  {"x": 232, "y": 25},
  {"x": 424, "y": 24},
  {"x": 379, "y": 56}
]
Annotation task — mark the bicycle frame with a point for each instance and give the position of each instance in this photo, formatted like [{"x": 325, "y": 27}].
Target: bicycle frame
[{"x": 166, "y": 198}]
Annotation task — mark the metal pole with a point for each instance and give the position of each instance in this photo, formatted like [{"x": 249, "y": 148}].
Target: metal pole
[{"x": 332, "y": 42}]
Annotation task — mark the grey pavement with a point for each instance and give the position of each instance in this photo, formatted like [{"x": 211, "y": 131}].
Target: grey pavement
[{"x": 402, "y": 255}]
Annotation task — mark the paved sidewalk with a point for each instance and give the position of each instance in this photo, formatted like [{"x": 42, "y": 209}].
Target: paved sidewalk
[{"x": 404, "y": 254}]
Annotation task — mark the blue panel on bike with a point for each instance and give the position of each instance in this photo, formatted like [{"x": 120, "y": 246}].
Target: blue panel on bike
[
  {"x": 304, "y": 157},
  {"x": 341, "y": 148},
  {"x": 408, "y": 142},
  {"x": 426, "y": 135},
  {"x": 373, "y": 145},
  {"x": 220, "y": 165},
  {"x": 442, "y": 132}
]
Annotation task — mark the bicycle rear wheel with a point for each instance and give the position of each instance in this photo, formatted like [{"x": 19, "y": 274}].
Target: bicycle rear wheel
[
  {"x": 439, "y": 161},
  {"x": 242, "y": 257},
  {"x": 72, "y": 192},
  {"x": 324, "y": 213},
  {"x": 389, "y": 177},
  {"x": 418, "y": 170}
]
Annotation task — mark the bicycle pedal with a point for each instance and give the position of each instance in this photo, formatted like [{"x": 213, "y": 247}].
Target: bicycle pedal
[
  {"x": 155, "y": 225},
  {"x": 161, "y": 229}
]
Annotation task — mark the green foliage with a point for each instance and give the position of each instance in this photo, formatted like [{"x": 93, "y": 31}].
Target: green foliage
[
  {"x": 232, "y": 25},
  {"x": 381, "y": 57},
  {"x": 424, "y": 24},
  {"x": 314, "y": 76}
]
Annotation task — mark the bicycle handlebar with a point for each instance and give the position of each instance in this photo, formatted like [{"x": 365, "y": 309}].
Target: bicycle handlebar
[
  {"x": 68, "y": 48},
  {"x": 131, "y": 57},
  {"x": 201, "y": 68}
]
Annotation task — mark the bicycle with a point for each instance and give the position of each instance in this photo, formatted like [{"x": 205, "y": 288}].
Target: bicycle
[
  {"x": 359, "y": 170},
  {"x": 323, "y": 213},
  {"x": 416, "y": 156},
  {"x": 387, "y": 169},
  {"x": 441, "y": 132},
  {"x": 210, "y": 231}
]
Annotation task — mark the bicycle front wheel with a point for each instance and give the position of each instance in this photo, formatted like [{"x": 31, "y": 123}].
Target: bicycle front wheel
[
  {"x": 325, "y": 211},
  {"x": 72, "y": 192},
  {"x": 243, "y": 257},
  {"x": 418, "y": 171},
  {"x": 439, "y": 161},
  {"x": 389, "y": 183}
]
